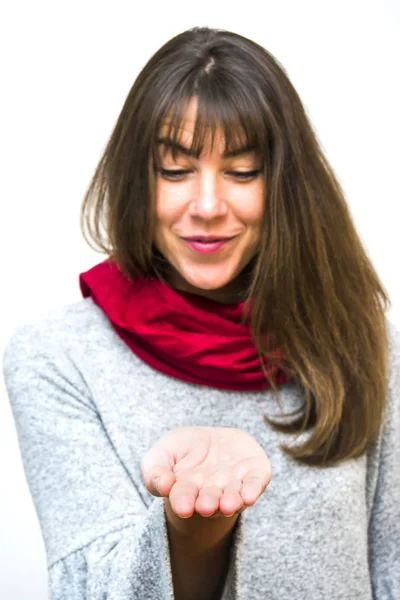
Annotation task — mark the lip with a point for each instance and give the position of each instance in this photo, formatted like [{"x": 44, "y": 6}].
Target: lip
[
  {"x": 208, "y": 238},
  {"x": 206, "y": 247}
]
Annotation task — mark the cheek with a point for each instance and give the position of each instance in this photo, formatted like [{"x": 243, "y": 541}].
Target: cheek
[
  {"x": 169, "y": 205},
  {"x": 250, "y": 208}
]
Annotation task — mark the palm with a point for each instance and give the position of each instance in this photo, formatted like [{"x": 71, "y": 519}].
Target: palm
[{"x": 208, "y": 470}]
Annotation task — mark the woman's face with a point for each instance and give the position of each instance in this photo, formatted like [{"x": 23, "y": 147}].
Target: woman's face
[{"x": 215, "y": 197}]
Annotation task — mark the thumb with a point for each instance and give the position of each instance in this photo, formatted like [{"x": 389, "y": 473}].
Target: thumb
[{"x": 157, "y": 474}]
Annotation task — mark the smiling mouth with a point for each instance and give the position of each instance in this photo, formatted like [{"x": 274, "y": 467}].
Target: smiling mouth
[
  {"x": 206, "y": 246},
  {"x": 207, "y": 240}
]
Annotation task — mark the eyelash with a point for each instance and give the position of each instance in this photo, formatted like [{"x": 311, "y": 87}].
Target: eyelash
[{"x": 244, "y": 176}]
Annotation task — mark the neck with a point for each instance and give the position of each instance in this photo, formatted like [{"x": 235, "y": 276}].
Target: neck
[{"x": 234, "y": 291}]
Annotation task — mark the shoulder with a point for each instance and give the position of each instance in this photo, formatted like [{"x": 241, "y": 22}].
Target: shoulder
[
  {"x": 386, "y": 450},
  {"x": 393, "y": 379},
  {"x": 393, "y": 334},
  {"x": 66, "y": 326}
]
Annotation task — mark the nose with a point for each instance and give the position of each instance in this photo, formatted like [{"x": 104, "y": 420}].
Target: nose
[{"x": 208, "y": 201}]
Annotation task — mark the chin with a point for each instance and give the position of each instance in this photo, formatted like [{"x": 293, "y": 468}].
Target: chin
[
  {"x": 209, "y": 287},
  {"x": 208, "y": 282}
]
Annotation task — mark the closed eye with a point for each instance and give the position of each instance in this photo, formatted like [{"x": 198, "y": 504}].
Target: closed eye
[
  {"x": 242, "y": 175},
  {"x": 173, "y": 174}
]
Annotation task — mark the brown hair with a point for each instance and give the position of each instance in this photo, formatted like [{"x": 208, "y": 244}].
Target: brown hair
[{"x": 314, "y": 288}]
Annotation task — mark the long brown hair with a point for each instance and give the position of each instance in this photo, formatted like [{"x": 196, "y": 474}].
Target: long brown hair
[{"x": 314, "y": 289}]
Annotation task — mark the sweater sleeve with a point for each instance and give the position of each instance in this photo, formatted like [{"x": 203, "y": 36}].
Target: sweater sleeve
[
  {"x": 101, "y": 540},
  {"x": 384, "y": 528}
]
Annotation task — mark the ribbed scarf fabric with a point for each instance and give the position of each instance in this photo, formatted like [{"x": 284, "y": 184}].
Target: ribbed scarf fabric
[{"x": 178, "y": 333}]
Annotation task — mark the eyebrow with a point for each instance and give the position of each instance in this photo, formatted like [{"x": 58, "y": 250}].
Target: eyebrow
[{"x": 163, "y": 141}]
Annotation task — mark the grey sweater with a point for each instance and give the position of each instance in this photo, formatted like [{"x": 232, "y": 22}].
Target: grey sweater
[{"x": 87, "y": 410}]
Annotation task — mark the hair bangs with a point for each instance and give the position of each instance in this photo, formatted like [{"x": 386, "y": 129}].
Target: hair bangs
[{"x": 236, "y": 116}]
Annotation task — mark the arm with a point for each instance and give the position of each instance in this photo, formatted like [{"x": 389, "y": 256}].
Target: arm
[
  {"x": 384, "y": 527},
  {"x": 101, "y": 539},
  {"x": 200, "y": 553}
]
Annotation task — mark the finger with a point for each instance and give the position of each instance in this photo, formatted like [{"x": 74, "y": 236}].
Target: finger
[
  {"x": 159, "y": 480},
  {"x": 231, "y": 501},
  {"x": 254, "y": 484},
  {"x": 164, "y": 483},
  {"x": 183, "y": 496},
  {"x": 208, "y": 500}
]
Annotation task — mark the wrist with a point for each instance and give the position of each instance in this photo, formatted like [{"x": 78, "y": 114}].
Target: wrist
[{"x": 207, "y": 533}]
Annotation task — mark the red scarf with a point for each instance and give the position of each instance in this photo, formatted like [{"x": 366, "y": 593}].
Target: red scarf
[{"x": 178, "y": 333}]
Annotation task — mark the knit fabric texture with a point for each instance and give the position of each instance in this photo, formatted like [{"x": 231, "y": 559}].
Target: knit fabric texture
[{"x": 87, "y": 410}]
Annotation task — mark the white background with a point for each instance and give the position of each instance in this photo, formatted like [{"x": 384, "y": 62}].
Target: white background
[{"x": 66, "y": 70}]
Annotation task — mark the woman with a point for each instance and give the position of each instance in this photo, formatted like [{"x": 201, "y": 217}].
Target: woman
[{"x": 236, "y": 325}]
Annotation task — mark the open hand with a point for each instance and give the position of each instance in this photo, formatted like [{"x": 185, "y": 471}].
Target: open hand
[{"x": 207, "y": 470}]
